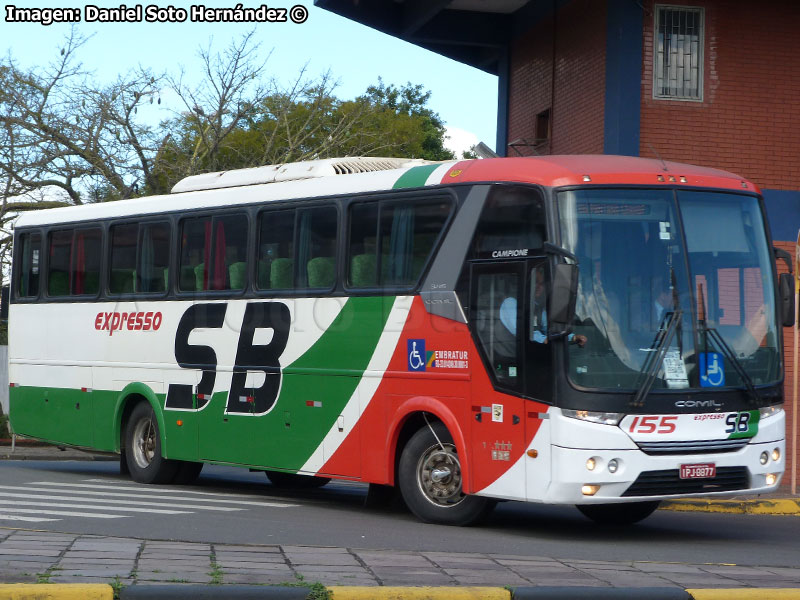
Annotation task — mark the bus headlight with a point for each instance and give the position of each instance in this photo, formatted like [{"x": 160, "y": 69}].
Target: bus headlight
[
  {"x": 771, "y": 478},
  {"x": 764, "y": 458},
  {"x": 591, "y": 464},
  {"x": 770, "y": 411},
  {"x": 613, "y": 465},
  {"x": 776, "y": 454},
  {"x": 603, "y": 418}
]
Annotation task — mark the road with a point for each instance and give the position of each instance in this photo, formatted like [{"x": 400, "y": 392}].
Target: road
[{"x": 234, "y": 506}]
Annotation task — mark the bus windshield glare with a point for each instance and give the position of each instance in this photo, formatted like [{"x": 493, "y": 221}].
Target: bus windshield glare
[{"x": 646, "y": 255}]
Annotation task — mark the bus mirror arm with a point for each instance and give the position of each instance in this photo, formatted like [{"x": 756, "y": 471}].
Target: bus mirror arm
[
  {"x": 559, "y": 251},
  {"x": 786, "y": 289},
  {"x": 563, "y": 295},
  {"x": 785, "y": 256}
]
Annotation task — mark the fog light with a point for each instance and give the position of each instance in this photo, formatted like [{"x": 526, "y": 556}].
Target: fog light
[
  {"x": 776, "y": 454},
  {"x": 591, "y": 464},
  {"x": 771, "y": 479},
  {"x": 613, "y": 465},
  {"x": 764, "y": 458},
  {"x": 591, "y": 490}
]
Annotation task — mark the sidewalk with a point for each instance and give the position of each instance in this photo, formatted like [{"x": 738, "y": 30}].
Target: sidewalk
[
  {"x": 36, "y": 556},
  {"x": 774, "y": 504}
]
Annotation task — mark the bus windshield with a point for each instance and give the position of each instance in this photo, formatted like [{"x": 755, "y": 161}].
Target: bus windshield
[{"x": 651, "y": 257}]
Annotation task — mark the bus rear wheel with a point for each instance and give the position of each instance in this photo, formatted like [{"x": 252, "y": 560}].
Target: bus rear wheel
[
  {"x": 430, "y": 480},
  {"x": 625, "y": 513},
  {"x": 143, "y": 448},
  {"x": 293, "y": 480}
]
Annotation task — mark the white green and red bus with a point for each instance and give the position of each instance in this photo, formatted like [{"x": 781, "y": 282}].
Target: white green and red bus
[{"x": 591, "y": 330}]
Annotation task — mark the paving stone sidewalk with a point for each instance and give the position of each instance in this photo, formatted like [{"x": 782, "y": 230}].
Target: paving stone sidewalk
[{"x": 34, "y": 556}]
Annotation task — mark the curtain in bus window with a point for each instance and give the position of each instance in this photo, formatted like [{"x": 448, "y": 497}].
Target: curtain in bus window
[
  {"x": 304, "y": 246},
  {"x": 80, "y": 271},
  {"x": 206, "y": 256},
  {"x": 219, "y": 279},
  {"x": 147, "y": 257},
  {"x": 401, "y": 246}
]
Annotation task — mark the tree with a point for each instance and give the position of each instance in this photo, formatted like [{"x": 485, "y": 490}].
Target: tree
[{"x": 65, "y": 139}]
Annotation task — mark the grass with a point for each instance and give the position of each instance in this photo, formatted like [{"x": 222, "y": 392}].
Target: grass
[
  {"x": 216, "y": 571},
  {"x": 316, "y": 590},
  {"x": 117, "y": 586}
]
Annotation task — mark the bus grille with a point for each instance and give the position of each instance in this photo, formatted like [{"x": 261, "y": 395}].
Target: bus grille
[
  {"x": 668, "y": 482},
  {"x": 692, "y": 447}
]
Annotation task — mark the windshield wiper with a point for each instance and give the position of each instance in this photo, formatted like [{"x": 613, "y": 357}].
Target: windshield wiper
[
  {"x": 737, "y": 364},
  {"x": 725, "y": 348},
  {"x": 655, "y": 358}
]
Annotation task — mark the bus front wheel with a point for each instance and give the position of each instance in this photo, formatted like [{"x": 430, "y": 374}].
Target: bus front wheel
[
  {"x": 143, "y": 448},
  {"x": 625, "y": 513},
  {"x": 430, "y": 481}
]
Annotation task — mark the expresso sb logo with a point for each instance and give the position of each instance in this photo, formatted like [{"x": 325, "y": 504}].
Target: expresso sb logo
[{"x": 249, "y": 357}]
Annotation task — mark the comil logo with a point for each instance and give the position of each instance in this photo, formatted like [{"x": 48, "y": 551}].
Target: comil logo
[{"x": 132, "y": 321}]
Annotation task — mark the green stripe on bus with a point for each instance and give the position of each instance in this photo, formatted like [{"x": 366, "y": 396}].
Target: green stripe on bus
[{"x": 415, "y": 177}]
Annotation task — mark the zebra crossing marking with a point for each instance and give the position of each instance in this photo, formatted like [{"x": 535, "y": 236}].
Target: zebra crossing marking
[
  {"x": 48, "y": 501},
  {"x": 26, "y": 519}
]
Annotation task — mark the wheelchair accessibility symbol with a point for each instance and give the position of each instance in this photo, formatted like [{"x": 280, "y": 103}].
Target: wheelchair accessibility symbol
[
  {"x": 416, "y": 355},
  {"x": 712, "y": 372}
]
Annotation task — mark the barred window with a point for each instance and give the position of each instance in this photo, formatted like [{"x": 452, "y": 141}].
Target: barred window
[{"x": 678, "y": 69}]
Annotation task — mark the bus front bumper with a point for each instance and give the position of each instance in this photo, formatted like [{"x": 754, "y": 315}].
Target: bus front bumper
[{"x": 639, "y": 476}]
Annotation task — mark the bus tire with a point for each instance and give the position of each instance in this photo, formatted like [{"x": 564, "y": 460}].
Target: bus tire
[
  {"x": 187, "y": 473},
  {"x": 624, "y": 513},
  {"x": 430, "y": 480},
  {"x": 143, "y": 448},
  {"x": 298, "y": 482}
]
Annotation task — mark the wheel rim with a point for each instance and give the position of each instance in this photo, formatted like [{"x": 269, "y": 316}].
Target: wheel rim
[
  {"x": 144, "y": 442},
  {"x": 439, "y": 476}
]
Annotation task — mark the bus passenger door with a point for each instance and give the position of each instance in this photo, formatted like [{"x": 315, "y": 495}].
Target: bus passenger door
[{"x": 497, "y": 298}]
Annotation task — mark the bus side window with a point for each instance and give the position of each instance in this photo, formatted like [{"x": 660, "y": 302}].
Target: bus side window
[
  {"x": 275, "y": 261},
  {"x": 74, "y": 262},
  {"x": 85, "y": 272},
  {"x": 362, "y": 249},
  {"x": 316, "y": 247},
  {"x": 153, "y": 263},
  {"x": 122, "y": 277},
  {"x": 28, "y": 266},
  {"x": 213, "y": 249},
  {"x": 408, "y": 231},
  {"x": 59, "y": 257}
]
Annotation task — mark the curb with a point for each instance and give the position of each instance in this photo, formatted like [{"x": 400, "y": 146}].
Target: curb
[
  {"x": 74, "y": 591},
  {"x": 46, "y": 591},
  {"x": 418, "y": 593},
  {"x": 779, "y": 506}
]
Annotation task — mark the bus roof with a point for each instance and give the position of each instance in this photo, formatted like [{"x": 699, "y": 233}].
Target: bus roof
[{"x": 551, "y": 171}]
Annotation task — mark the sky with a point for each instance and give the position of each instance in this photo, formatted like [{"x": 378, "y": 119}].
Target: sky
[{"x": 464, "y": 97}]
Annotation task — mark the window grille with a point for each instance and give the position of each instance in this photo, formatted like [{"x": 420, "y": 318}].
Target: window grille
[{"x": 678, "y": 69}]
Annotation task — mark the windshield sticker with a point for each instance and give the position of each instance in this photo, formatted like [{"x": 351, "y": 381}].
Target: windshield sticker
[
  {"x": 675, "y": 370},
  {"x": 711, "y": 369},
  {"x": 663, "y": 230}
]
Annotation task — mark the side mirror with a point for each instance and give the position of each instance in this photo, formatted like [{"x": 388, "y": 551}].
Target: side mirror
[
  {"x": 563, "y": 294},
  {"x": 784, "y": 256},
  {"x": 786, "y": 289},
  {"x": 4, "y": 294}
]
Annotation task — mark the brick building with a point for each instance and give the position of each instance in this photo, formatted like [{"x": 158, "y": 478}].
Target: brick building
[{"x": 709, "y": 82}]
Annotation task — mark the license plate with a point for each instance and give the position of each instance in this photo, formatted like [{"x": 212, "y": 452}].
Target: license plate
[{"x": 698, "y": 471}]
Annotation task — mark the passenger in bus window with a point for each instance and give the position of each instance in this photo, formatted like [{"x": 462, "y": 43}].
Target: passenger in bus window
[{"x": 538, "y": 334}]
